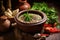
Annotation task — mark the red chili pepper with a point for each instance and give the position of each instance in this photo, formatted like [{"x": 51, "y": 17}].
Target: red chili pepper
[
  {"x": 52, "y": 30},
  {"x": 47, "y": 25},
  {"x": 44, "y": 34},
  {"x": 50, "y": 25}
]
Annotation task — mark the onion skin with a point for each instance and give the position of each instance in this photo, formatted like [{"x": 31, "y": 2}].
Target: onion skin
[
  {"x": 4, "y": 23},
  {"x": 24, "y": 6}
]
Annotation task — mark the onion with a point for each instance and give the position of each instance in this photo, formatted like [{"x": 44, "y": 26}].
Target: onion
[{"x": 4, "y": 23}]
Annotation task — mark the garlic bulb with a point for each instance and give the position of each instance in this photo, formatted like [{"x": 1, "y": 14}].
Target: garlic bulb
[{"x": 11, "y": 14}]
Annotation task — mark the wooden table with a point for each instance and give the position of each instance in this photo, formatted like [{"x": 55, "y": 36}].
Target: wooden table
[{"x": 16, "y": 34}]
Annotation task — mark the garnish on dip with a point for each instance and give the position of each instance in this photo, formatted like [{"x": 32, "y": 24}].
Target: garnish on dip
[{"x": 29, "y": 18}]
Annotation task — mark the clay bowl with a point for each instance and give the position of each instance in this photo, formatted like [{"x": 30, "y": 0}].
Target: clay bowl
[{"x": 31, "y": 27}]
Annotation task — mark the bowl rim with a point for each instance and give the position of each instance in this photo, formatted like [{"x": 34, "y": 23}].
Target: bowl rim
[{"x": 22, "y": 23}]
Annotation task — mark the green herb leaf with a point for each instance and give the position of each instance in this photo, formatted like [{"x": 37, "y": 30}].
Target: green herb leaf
[
  {"x": 27, "y": 17},
  {"x": 58, "y": 26}
]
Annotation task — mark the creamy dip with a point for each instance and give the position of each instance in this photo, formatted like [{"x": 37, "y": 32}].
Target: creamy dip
[{"x": 35, "y": 18}]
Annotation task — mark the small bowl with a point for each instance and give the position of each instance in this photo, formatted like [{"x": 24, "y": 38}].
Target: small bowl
[{"x": 31, "y": 27}]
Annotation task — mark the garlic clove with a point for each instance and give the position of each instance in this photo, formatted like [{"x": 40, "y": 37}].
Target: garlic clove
[
  {"x": 8, "y": 10},
  {"x": 8, "y": 14},
  {"x": 15, "y": 12}
]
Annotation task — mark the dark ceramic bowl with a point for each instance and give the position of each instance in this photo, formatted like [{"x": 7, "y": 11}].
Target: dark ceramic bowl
[{"x": 31, "y": 27}]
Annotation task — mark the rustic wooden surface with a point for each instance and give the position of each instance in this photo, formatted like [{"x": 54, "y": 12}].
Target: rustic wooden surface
[
  {"x": 19, "y": 35},
  {"x": 55, "y": 36},
  {"x": 16, "y": 35}
]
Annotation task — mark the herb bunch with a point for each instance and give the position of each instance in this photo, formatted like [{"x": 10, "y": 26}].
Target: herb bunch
[
  {"x": 27, "y": 17},
  {"x": 50, "y": 11}
]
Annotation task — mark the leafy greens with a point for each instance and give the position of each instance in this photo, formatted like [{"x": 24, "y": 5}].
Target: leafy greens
[{"x": 50, "y": 12}]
